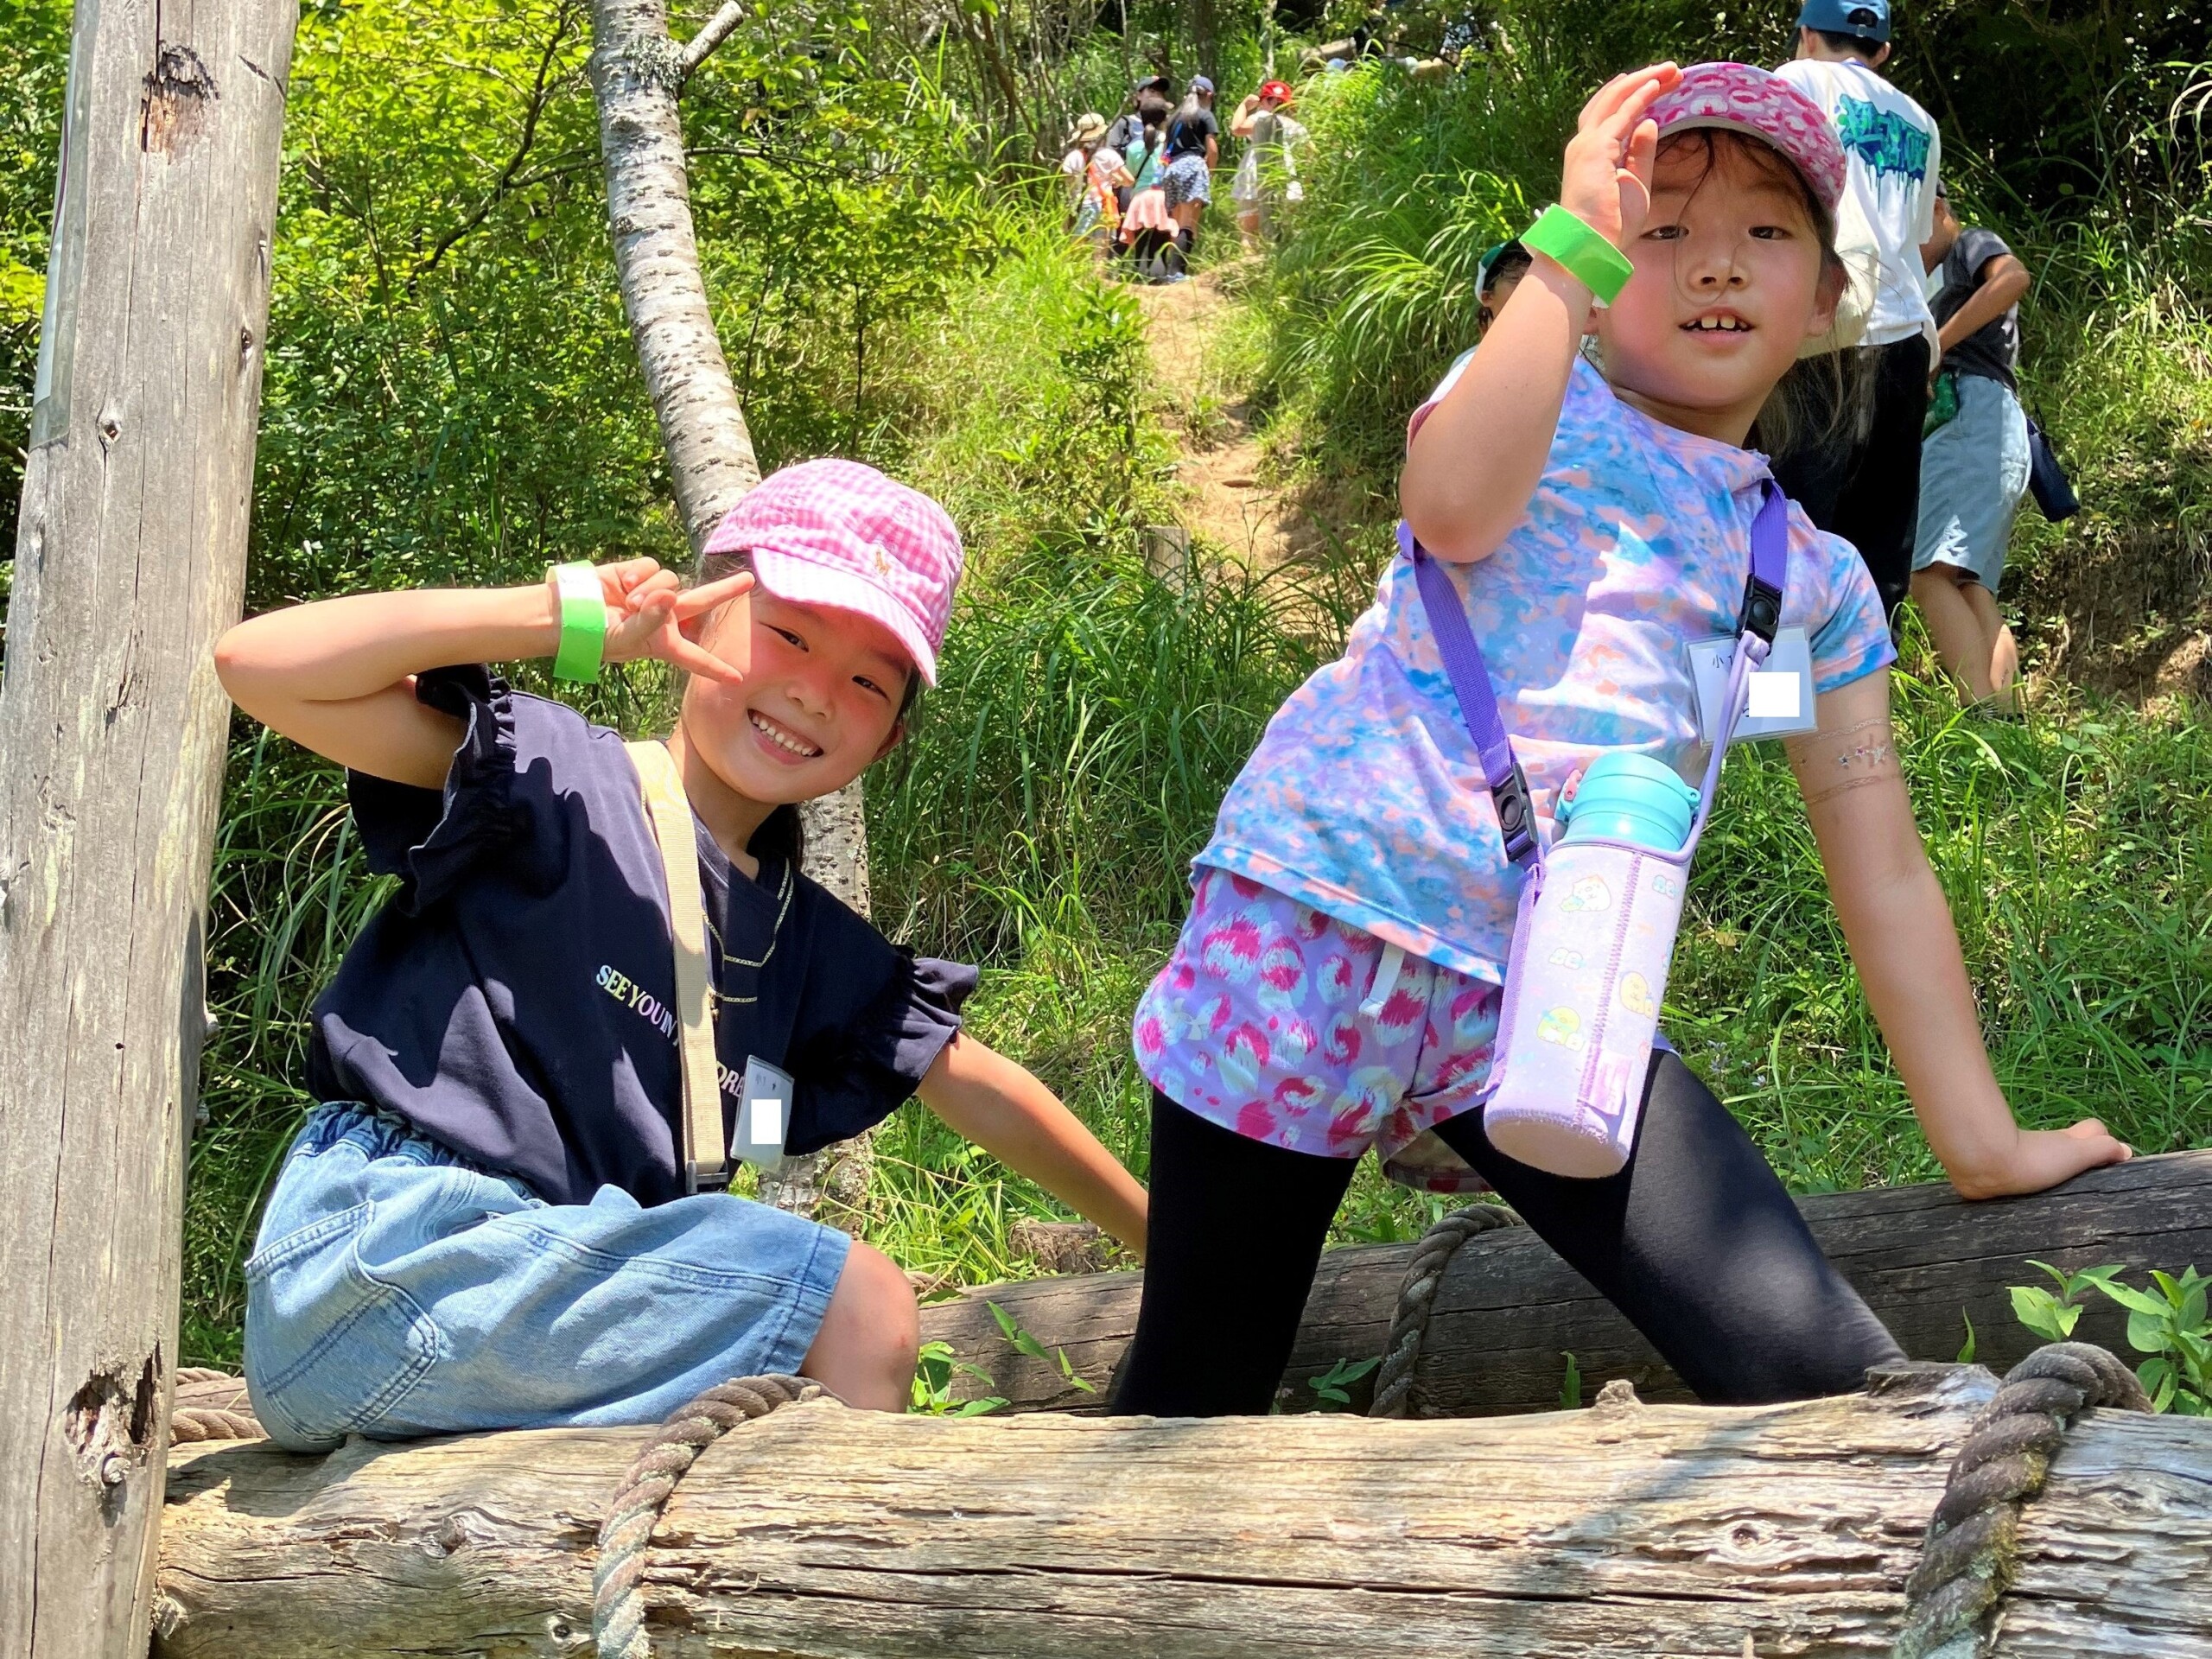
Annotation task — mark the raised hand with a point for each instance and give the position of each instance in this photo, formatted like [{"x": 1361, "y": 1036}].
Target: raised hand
[
  {"x": 1606, "y": 179},
  {"x": 650, "y": 613}
]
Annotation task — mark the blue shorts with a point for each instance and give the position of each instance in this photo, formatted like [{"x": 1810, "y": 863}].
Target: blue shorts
[
  {"x": 1973, "y": 469},
  {"x": 396, "y": 1290},
  {"x": 1187, "y": 179}
]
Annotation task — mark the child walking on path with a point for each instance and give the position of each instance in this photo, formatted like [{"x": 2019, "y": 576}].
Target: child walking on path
[
  {"x": 1862, "y": 481},
  {"x": 486, "y": 1225},
  {"x": 1974, "y": 468},
  {"x": 1338, "y": 984}
]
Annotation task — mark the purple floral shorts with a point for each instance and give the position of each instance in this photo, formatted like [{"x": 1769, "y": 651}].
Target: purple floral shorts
[{"x": 1291, "y": 1028}]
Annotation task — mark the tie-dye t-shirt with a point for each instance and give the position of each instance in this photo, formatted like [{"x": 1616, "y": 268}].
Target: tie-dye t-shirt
[{"x": 1365, "y": 799}]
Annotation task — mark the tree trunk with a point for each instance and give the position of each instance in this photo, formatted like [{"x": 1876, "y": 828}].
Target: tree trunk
[
  {"x": 1507, "y": 1310},
  {"x": 130, "y": 559},
  {"x": 1619, "y": 1533},
  {"x": 636, "y": 73}
]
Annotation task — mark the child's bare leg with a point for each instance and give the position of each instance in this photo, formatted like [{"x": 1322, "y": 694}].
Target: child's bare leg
[
  {"x": 2004, "y": 650},
  {"x": 865, "y": 1351},
  {"x": 1961, "y": 643}
]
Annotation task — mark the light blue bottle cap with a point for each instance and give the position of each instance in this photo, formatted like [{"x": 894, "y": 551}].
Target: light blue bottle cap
[{"x": 1630, "y": 797}]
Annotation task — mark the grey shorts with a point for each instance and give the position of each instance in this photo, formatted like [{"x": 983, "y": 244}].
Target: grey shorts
[{"x": 1973, "y": 469}]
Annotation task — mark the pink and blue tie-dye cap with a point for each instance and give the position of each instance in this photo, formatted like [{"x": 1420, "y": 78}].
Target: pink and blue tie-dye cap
[
  {"x": 840, "y": 534},
  {"x": 1739, "y": 98}
]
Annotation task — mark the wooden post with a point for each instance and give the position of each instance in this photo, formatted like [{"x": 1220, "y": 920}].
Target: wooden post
[{"x": 131, "y": 559}]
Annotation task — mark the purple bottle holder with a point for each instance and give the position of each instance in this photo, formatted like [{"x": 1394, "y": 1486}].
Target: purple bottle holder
[{"x": 1595, "y": 932}]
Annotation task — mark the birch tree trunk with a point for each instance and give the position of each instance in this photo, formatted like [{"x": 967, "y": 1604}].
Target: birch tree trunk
[
  {"x": 130, "y": 559},
  {"x": 637, "y": 75}
]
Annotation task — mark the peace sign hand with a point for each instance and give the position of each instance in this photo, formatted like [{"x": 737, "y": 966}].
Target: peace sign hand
[
  {"x": 1606, "y": 181},
  {"x": 650, "y": 613}
]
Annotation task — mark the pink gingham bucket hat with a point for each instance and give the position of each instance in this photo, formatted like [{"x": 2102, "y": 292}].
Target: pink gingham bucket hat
[
  {"x": 1739, "y": 98},
  {"x": 840, "y": 534}
]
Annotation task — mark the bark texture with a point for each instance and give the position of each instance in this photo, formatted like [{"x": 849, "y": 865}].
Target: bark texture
[
  {"x": 130, "y": 559},
  {"x": 636, "y": 73},
  {"x": 820, "y": 1533},
  {"x": 1508, "y": 1309}
]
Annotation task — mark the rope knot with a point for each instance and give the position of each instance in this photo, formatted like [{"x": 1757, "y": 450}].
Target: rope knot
[
  {"x": 617, "y": 1603},
  {"x": 1969, "y": 1555}
]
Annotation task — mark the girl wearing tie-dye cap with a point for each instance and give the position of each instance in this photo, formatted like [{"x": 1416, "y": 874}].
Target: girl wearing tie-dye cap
[{"x": 1337, "y": 987}]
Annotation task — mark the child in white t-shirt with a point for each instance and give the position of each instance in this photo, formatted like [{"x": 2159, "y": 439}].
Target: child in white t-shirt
[{"x": 1864, "y": 485}]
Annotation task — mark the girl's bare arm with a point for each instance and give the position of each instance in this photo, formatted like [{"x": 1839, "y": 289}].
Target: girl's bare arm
[
  {"x": 337, "y": 676},
  {"x": 1899, "y": 929},
  {"x": 998, "y": 1106},
  {"x": 1476, "y": 458}
]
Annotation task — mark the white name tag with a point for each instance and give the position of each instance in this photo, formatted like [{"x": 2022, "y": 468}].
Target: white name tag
[
  {"x": 763, "y": 1115},
  {"x": 1781, "y": 689}
]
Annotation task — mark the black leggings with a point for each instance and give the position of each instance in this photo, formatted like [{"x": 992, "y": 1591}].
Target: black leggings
[{"x": 1696, "y": 1242}]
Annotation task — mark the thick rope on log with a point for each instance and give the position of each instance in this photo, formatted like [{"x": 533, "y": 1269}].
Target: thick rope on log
[
  {"x": 618, "y": 1605},
  {"x": 1394, "y": 1384},
  {"x": 1969, "y": 1559},
  {"x": 211, "y": 1405}
]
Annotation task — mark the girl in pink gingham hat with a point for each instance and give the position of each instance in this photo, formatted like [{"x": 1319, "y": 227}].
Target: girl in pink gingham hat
[{"x": 504, "y": 1156}]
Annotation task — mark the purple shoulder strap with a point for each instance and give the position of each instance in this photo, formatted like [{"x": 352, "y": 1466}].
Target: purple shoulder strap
[{"x": 1470, "y": 676}]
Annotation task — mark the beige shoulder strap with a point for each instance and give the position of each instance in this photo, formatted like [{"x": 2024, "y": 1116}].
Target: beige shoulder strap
[{"x": 705, "y": 1152}]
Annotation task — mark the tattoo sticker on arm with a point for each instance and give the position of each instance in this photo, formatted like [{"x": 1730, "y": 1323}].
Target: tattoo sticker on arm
[{"x": 1829, "y": 764}]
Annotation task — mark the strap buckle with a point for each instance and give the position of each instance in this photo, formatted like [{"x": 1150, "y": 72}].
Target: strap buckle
[
  {"x": 706, "y": 1178},
  {"x": 1516, "y": 816},
  {"x": 1762, "y": 611}
]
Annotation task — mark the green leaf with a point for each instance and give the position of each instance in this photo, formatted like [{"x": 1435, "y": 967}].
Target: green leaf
[
  {"x": 976, "y": 1408},
  {"x": 1966, "y": 1348},
  {"x": 2044, "y": 1313},
  {"x": 2146, "y": 1332},
  {"x": 1012, "y": 1329},
  {"x": 2157, "y": 1376},
  {"x": 2140, "y": 1301},
  {"x": 1570, "y": 1387}
]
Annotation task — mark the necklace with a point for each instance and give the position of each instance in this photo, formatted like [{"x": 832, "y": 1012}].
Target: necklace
[{"x": 725, "y": 961}]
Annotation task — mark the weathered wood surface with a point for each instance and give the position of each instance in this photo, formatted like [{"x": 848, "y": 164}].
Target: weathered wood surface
[
  {"x": 821, "y": 1533},
  {"x": 1509, "y": 1308},
  {"x": 130, "y": 559}
]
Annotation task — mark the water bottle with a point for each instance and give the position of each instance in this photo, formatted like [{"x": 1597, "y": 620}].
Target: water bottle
[{"x": 1589, "y": 969}]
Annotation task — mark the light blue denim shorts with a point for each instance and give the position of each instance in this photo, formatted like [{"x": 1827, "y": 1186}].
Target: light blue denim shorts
[
  {"x": 1973, "y": 470},
  {"x": 396, "y": 1290}
]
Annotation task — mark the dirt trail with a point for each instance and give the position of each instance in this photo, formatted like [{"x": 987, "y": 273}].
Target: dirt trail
[{"x": 1227, "y": 504}]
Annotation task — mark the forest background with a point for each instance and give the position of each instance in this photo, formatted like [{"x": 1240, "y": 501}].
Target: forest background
[{"x": 451, "y": 397}]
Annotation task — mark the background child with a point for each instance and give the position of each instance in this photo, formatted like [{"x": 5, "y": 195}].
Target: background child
[
  {"x": 1336, "y": 985},
  {"x": 1862, "y": 481},
  {"x": 484, "y": 1227},
  {"x": 1974, "y": 468},
  {"x": 1267, "y": 175}
]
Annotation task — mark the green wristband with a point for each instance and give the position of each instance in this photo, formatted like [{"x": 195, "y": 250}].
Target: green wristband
[
  {"x": 583, "y": 622},
  {"x": 1584, "y": 254}
]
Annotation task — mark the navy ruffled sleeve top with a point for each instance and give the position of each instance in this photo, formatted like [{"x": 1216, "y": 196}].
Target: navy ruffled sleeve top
[{"x": 516, "y": 998}]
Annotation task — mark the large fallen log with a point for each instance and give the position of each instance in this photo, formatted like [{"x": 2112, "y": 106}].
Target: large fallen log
[
  {"x": 821, "y": 1533},
  {"x": 1508, "y": 1310}
]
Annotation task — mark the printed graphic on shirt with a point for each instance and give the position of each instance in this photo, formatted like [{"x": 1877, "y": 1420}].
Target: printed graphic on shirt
[
  {"x": 1890, "y": 145},
  {"x": 650, "y": 1008}
]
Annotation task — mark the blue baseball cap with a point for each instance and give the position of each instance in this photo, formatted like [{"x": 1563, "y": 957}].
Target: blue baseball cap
[
  {"x": 1200, "y": 83},
  {"x": 1868, "y": 20}
]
